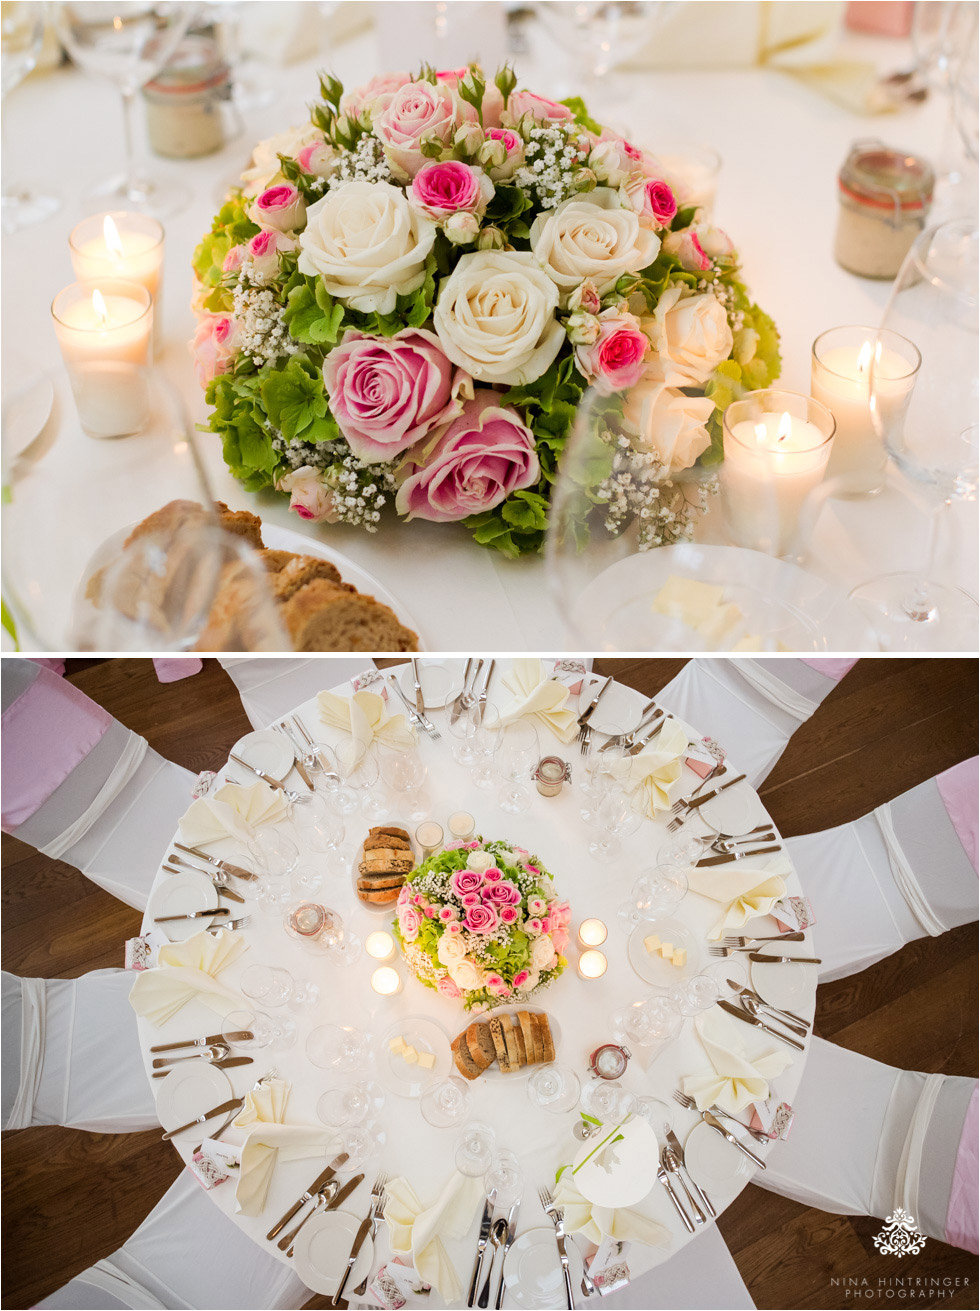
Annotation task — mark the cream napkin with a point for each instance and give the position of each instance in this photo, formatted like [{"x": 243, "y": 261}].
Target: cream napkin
[
  {"x": 186, "y": 970},
  {"x": 743, "y": 892},
  {"x": 418, "y": 1231},
  {"x": 657, "y": 767},
  {"x": 599, "y": 1222},
  {"x": 233, "y": 812},
  {"x": 537, "y": 694},
  {"x": 363, "y": 716},
  {"x": 736, "y": 1078},
  {"x": 269, "y": 1140}
]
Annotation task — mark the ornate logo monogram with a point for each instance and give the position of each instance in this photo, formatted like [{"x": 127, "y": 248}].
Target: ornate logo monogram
[{"x": 900, "y": 1236}]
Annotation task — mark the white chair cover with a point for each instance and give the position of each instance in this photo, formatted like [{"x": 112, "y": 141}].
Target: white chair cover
[
  {"x": 868, "y": 1138},
  {"x": 71, "y": 1054},
  {"x": 751, "y": 708},
  {"x": 702, "y": 1275},
  {"x": 270, "y": 687},
  {"x": 886, "y": 879},
  {"x": 185, "y": 1254}
]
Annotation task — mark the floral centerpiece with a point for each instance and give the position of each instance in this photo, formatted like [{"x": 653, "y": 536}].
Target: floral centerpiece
[
  {"x": 481, "y": 922},
  {"x": 405, "y": 299}
]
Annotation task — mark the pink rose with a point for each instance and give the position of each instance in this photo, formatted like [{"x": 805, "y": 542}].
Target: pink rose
[
  {"x": 560, "y": 938},
  {"x": 454, "y": 844},
  {"x": 481, "y": 919},
  {"x": 503, "y": 893},
  {"x": 713, "y": 241},
  {"x": 502, "y": 152},
  {"x": 493, "y": 101},
  {"x": 614, "y": 361},
  {"x": 417, "y": 898},
  {"x": 264, "y": 250},
  {"x": 561, "y": 913},
  {"x": 585, "y": 298},
  {"x": 536, "y": 905},
  {"x": 521, "y": 977},
  {"x": 653, "y": 200},
  {"x": 541, "y": 109},
  {"x": 479, "y": 459},
  {"x": 446, "y": 988},
  {"x": 454, "y": 929},
  {"x": 232, "y": 262},
  {"x": 546, "y": 924},
  {"x": 532, "y": 869},
  {"x": 387, "y": 392},
  {"x": 409, "y": 923},
  {"x": 374, "y": 96},
  {"x": 215, "y": 346},
  {"x": 464, "y": 881},
  {"x": 281, "y": 207},
  {"x": 309, "y": 496},
  {"x": 430, "y": 912},
  {"x": 508, "y": 914},
  {"x": 471, "y": 899},
  {"x": 443, "y": 188},
  {"x": 448, "y": 913},
  {"x": 472, "y": 846},
  {"x": 318, "y": 158},
  {"x": 492, "y": 875},
  {"x": 417, "y": 110},
  {"x": 686, "y": 247},
  {"x": 535, "y": 925}
]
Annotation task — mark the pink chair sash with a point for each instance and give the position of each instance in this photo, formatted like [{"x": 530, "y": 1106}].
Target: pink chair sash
[
  {"x": 47, "y": 732},
  {"x": 172, "y": 669},
  {"x": 958, "y": 788},
  {"x": 835, "y": 669},
  {"x": 962, "y": 1219}
]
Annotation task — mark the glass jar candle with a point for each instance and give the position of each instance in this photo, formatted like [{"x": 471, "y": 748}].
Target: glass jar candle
[
  {"x": 884, "y": 196},
  {"x": 461, "y": 824},
  {"x": 592, "y": 964},
  {"x": 386, "y": 982},
  {"x": 183, "y": 101},
  {"x": 552, "y": 772},
  {"x": 305, "y": 919},
  {"x": 609, "y": 1061},
  {"x": 592, "y": 933},
  {"x": 380, "y": 945},
  {"x": 429, "y": 836}
]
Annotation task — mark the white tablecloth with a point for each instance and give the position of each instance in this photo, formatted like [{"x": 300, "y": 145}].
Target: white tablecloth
[
  {"x": 781, "y": 143},
  {"x": 542, "y": 1141}
]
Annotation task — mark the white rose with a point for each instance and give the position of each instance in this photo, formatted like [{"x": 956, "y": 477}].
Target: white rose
[
  {"x": 450, "y": 949},
  {"x": 495, "y": 317},
  {"x": 466, "y": 976},
  {"x": 367, "y": 244},
  {"x": 264, "y": 168},
  {"x": 667, "y": 422},
  {"x": 542, "y": 952},
  {"x": 479, "y": 861},
  {"x": 690, "y": 336},
  {"x": 530, "y": 982},
  {"x": 592, "y": 236}
]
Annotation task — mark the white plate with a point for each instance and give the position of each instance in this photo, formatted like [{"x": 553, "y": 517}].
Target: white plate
[
  {"x": 651, "y": 966},
  {"x": 266, "y": 750},
  {"x": 495, "y": 1071},
  {"x": 714, "y": 1162},
  {"x": 284, "y": 539},
  {"x": 179, "y": 892},
  {"x": 393, "y": 822},
  {"x": 189, "y": 1090},
  {"x": 441, "y": 682},
  {"x": 622, "y": 1173},
  {"x": 532, "y": 1275},
  {"x": 424, "y": 1035},
  {"x": 736, "y": 810},
  {"x": 322, "y": 1248},
  {"x": 790, "y": 987},
  {"x": 26, "y": 414}
]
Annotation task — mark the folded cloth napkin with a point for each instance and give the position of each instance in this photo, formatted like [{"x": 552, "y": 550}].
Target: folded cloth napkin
[
  {"x": 363, "y": 716},
  {"x": 269, "y": 1140},
  {"x": 538, "y": 695},
  {"x": 599, "y": 1222},
  {"x": 736, "y": 1078},
  {"x": 743, "y": 892},
  {"x": 233, "y": 812},
  {"x": 657, "y": 767},
  {"x": 418, "y": 1230},
  {"x": 186, "y": 970}
]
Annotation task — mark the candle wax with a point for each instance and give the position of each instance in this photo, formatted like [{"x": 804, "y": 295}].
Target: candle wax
[{"x": 840, "y": 379}]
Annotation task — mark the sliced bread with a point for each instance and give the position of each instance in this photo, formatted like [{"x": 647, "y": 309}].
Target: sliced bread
[
  {"x": 500, "y": 1044},
  {"x": 510, "y": 1040},
  {"x": 463, "y": 1059},
  {"x": 322, "y": 616},
  {"x": 480, "y": 1043},
  {"x": 386, "y": 841},
  {"x": 302, "y": 569},
  {"x": 548, "y": 1044},
  {"x": 391, "y": 830},
  {"x": 527, "y": 1036},
  {"x": 381, "y": 897}
]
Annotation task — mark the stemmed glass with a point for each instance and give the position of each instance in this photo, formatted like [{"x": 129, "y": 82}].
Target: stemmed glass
[
  {"x": 464, "y": 731},
  {"x": 331, "y": 775},
  {"x": 128, "y": 44},
  {"x": 339, "y": 1047},
  {"x": 340, "y": 945},
  {"x": 944, "y": 34},
  {"x": 474, "y": 1148},
  {"x": 554, "y": 1087},
  {"x": 274, "y": 856},
  {"x": 271, "y": 985},
  {"x": 617, "y": 813},
  {"x": 405, "y": 773},
  {"x": 485, "y": 744},
  {"x": 350, "y": 1103},
  {"x": 445, "y": 1103},
  {"x": 655, "y": 893},
  {"x": 645, "y": 1023},
  {"x": 319, "y": 826},
  {"x": 506, "y": 1176},
  {"x": 933, "y": 304},
  {"x": 608, "y": 1101},
  {"x": 265, "y": 1031},
  {"x": 364, "y": 778},
  {"x": 696, "y": 994},
  {"x": 21, "y": 36},
  {"x": 516, "y": 756}
]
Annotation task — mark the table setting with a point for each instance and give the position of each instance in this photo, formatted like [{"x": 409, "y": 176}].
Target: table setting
[
  {"x": 651, "y": 459},
  {"x": 480, "y": 1031}
]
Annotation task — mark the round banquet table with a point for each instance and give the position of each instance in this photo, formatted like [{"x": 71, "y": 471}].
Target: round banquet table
[{"x": 552, "y": 829}]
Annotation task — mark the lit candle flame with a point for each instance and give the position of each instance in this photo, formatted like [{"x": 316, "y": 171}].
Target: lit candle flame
[
  {"x": 100, "y": 308},
  {"x": 117, "y": 23},
  {"x": 785, "y": 427},
  {"x": 864, "y": 357},
  {"x": 113, "y": 244}
]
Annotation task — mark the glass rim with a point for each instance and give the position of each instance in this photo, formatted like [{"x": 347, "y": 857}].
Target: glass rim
[
  {"x": 825, "y": 438},
  {"x": 925, "y": 240},
  {"x": 875, "y": 334},
  {"x": 116, "y": 214},
  {"x": 100, "y": 284}
]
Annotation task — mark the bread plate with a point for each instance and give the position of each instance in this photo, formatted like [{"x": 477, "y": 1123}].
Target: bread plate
[
  {"x": 388, "y": 907},
  {"x": 407, "y": 1079}
]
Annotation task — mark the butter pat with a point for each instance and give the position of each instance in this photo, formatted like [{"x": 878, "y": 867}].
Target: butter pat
[
  {"x": 397, "y": 1045},
  {"x": 410, "y": 1055},
  {"x": 679, "y": 957},
  {"x": 687, "y": 600},
  {"x": 652, "y": 943},
  {"x": 666, "y": 949},
  {"x": 426, "y": 1060}
]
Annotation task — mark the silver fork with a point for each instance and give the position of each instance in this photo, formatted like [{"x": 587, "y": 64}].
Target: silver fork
[
  {"x": 558, "y": 1218},
  {"x": 378, "y": 1199},
  {"x": 736, "y": 942},
  {"x": 241, "y": 923},
  {"x": 682, "y": 1099},
  {"x": 266, "y": 777},
  {"x": 682, "y": 803},
  {"x": 419, "y": 720}
]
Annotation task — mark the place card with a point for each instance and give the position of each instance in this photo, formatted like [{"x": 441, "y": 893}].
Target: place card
[
  {"x": 793, "y": 914},
  {"x": 571, "y": 674},
  {"x": 607, "y": 1266},
  {"x": 141, "y": 953},
  {"x": 702, "y": 757},
  {"x": 775, "y": 1119}
]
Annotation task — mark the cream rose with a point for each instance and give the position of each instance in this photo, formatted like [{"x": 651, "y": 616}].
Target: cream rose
[
  {"x": 450, "y": 949},
  {"x": 495, "y": 317},
  {"x": 542, "y": 953},
  {"x": 668, "y": 423},
  {"x": 479, "y": 860},
  {"x": 367, "y": 244},
  {"x": 591, "y": 236},
  {"x": 690, "y": 337},
  {"x": 466, "y": 976},
  {"x": 264, "y": 168}
]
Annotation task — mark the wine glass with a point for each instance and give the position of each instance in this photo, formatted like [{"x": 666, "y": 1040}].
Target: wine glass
[
  {"x": 21, "y": 36},
  {"x": 474, "y": 1148},
  {"x": 485, "y": 744},
  {"x": 445, "y": 1103},
  {"x": 616, "y": 815},
  {"x": 598, "y": 35},
  {"x": 248, "y": 93},
  {"x": 554, "y": 1087},
  {"x": 644, "y": 1023},
  {"x": 944, "y": 34},
  {"x": 350, "y": 1103},
  {"x": 932, "y": 440},
  {"x": 265, "y": 1031},
  {"x": 339, "y": 1047},
  {"x": 515, "y": 758},
  {"x": 318, "y": 825},
  {"x": 274, "y": 856},
  {"x": 463, "y": 730},
  {"x": 127, "y": 44},
  {"x": 331, "y": 774},
  {"x": 305, "y": 881},
  {"x": 655, "y": 893},
  {"x": 339, "y": 944},
  {"x": 506, "y": 1176},
  {"x": 405, "y": 773},
  {"x": 695, "y": 994},
  {"x": 608, "y": 1100},
  {"x": 364, "y": 778}
]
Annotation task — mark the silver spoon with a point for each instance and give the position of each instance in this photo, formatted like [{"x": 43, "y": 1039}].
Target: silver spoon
[{"x": 497, "y": 1235}]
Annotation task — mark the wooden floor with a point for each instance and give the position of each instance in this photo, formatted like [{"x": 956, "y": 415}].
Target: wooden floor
[{"x": 70, "y": 1198}]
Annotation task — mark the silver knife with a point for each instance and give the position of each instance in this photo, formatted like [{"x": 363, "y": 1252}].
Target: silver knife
[
  {"x": 221, "y": 889},
  {"x": 664, "y": 1178},
  {"x": 419, "y": 699},
  {"x": 717, "y": 1125},
  {"x": 340, "y": 1196},
  {"x": 694, "y": 802},
  {"x": 481, "y": 700},
  {"x": 263, "y": 774},
  {"x": 457, "y": 704},
  {"x": 362, "y": 1233},
  {"x": 735, "y": 855},
  {"x": 208, "y": 1115},
  {"x": 485, "y": 1224},
  {"x": 225, "y": 866},
  {"x": 314, "y": 1188},
  {"x": 587, "y": 712},
  {"x": 784, "y": 960},
  {"x": 297, "y": 757},
  {"x": 200, "y": 914},
  {"x": 776, "y": 1010},
  {"x": 704, "y": 1199},
  {"x": 508, "y": 1243},
  {"x": 751, "y": 1019},
  {"x": 242, "y": 1036},
  {"x": 225, "y": 1064}
]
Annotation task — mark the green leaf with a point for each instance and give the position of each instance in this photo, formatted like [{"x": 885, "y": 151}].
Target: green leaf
[
  {"x": 683, "y": 218},
  {"x": 560, "y": 1171},
  {"x": 577, "y": 105},
  {"x": 312, "y": 315},
  {"x": 589, "y": 1118},
  {"x": 294, "y": 397}
]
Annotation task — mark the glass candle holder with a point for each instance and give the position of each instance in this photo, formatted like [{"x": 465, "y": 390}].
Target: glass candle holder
[
  {"x": 103, "y": 329},
  {"x": 592, "y": 933},
  {"x": 123, "y": 245},
  {"x": 461, "y": 825},
  {"x": 885, "y": 196},
  {"x": 429, "y": 836},
  {"x": 592, "y": 964},
  {"x": 386, "y": 982},
  {"x": 840, "y": 373},
  {"x": 551, "y": 775},
  {"x": 777, "y": 445},
  {"x": 380, "y": 945},
  {"x": 306, "y": 920}
]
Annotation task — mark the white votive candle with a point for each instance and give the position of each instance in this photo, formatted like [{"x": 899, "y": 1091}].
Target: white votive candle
[
  {"x": 461, "y": 824},
  {"x": 429, "y": 835},
  {"x": 380, "y": 945},
  {"x": 592, "y": 933},
  {"x": 842, "y": 365},
  {"x": 103, "y": 329},
  {"x": 592, "y": 964},
  {"x": 386, "y": 982},
  {"x": 121, "y": 245}
]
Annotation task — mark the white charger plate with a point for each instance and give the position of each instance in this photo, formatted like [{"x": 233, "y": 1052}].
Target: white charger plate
[
  {"x": 651, "y": 966},
  {"x": 424, "y": 1035},
  {"x": 180, "y": 892},
  {"x": 266, "y": 750},
  {"x": 322, "y": 1248},
  {"x": 495, "y": 1072},
  {"x": 736, "y": 810},
  {"x": 714, "y": 1162},
  {"x": 189, "y": 1090},
  {"x": 532, "y": 1275},
  {"x": 790, "y": 987}
]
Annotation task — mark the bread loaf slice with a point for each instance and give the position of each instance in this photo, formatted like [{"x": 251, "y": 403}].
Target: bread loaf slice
[
  {"x": 242, "y": 523},
  {"x": 510, "y": 1041},
  {"x": 546, "y": 1039},
  {"x": 463, "y": 1060},
  {"x": 388, "y": 841},
  {"x": 383, "y": 897},
  {"x": 527, "y": 1036},
  {"x": 377, "y": 882},
  {"x": 322, "y": 616},
  {"x": 480, "y": 1043},
  {"x": 523, "y": 1056},
  {"x": 391, "y": 831},
  {"x": 500, "y": 1044},
  {"x": 302, "y": 569}
]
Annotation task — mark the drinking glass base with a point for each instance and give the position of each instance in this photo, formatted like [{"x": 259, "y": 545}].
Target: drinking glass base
[
  {"x": 939, "y": 618},
  {"x": 22, "y": 209},
  {"x": 147, "y": 195}
]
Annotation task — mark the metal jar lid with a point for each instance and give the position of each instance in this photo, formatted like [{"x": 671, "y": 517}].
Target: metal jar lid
[
  {"x": 883, "y": 178},
  {"x": 552, "y": 769},
  {"x": 195, "y": 68},
  {"x": 616, "y": 1057}
]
